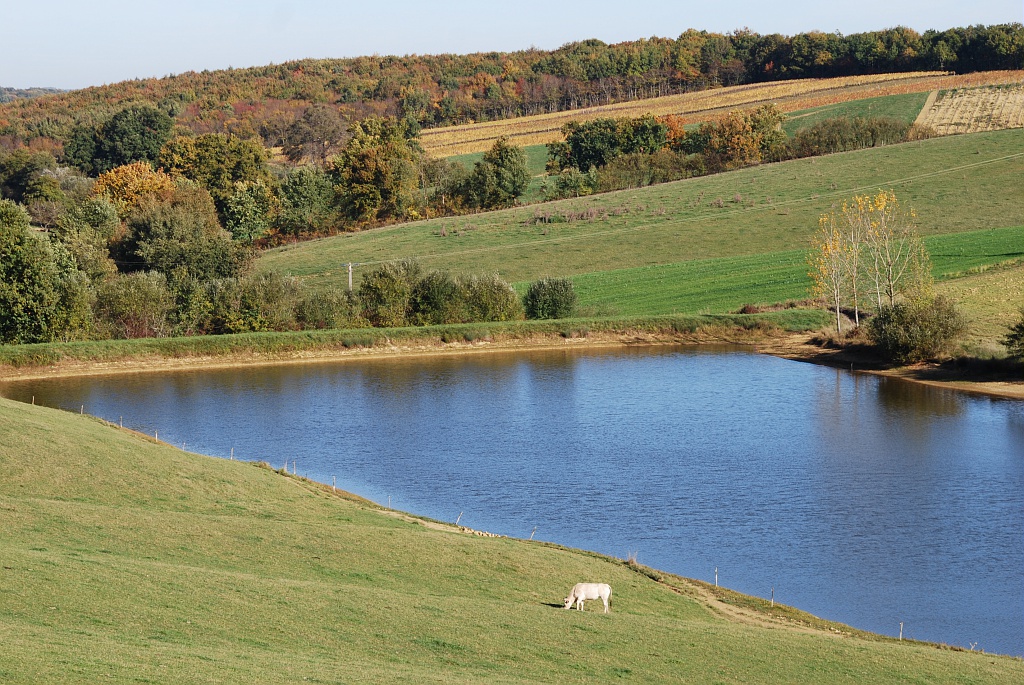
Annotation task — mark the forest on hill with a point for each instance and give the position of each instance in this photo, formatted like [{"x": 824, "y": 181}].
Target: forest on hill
[
  {"x": 440, "y": 90},
  {"x": 10, "y": 94}
]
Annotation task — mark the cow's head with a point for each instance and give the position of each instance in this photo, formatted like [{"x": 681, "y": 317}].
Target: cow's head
[{"x": 568, "y": 601}]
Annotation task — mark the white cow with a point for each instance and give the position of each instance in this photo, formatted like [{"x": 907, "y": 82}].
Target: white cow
[{"x": 584, "y": 591}]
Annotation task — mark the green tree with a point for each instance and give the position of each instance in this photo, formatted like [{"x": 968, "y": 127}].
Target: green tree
[
  {"x": 920, "y": 328},
  {"x": 1014, "y": 339},
  {"x": 132, "y": 135},
  {"x": 29, "y": 299},
  {"x": 182, "y": 231},
  {"x": 135, "y": 305},
  {"x": 249, "y": 211},
  {"x": 86, "y": 229},
  {"x": 490, "y": 298},
  {"x": 500, "y": 178},
  {"x": 306, "y": 196}
]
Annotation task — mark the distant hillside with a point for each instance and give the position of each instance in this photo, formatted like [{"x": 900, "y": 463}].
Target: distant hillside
[
  {"x": 444, "y": 90},
  {"x": 10, "y": 94}
]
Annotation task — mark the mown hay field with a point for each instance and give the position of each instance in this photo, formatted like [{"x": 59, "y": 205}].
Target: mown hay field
[
  {"x": 695, "y": 107},
  {"x": 969, "y": 110}
]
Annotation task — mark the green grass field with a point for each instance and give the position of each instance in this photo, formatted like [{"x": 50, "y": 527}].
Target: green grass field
[
  {"x": 125, "y": 560},
  {"x": 727, "y": 283},
  {"x": 903, "y": 107}
]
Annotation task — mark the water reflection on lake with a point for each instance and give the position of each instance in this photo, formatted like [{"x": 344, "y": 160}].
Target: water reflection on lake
[{"x": 864, "y": 500}]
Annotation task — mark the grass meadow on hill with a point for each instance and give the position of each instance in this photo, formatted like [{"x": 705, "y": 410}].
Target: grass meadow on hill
[
  {"x": 903, "y": 107},
  {"x": 126, "y": 560},
  {"x": 955, "y": 184},
  {"x": 727, "y": 283}
]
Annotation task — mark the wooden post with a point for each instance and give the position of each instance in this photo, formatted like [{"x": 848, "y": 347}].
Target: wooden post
[
  {"x": 534, "y": 531},
  {"x": 389, "y": 501},
  {"x": 82, "y": 411},
  {"x": 120, "y": 422},
  {"x": 350, "y": 276},
  {"x": 716, "y": 576},
  {"x": 156, "y": 435},
  {"x": 901, "y": 631},
  {"x": 458, "y": 519},
  {"x": 773, "y": 596},
  {"x": 334, "y": 483},
  {"x": 232, "y": 454}
]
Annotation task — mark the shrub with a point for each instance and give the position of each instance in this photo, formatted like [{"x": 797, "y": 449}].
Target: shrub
[
  {"x": 550, "y": 298},
  {"x": 1014, "y": 339},
  {"x": 917, "y": 329},
  {"x": 329, "y": 310},
  {"x": 135, "y": 305},
  {"x": 386, "y": 292},
  {"x": 490, "y": 298},
  {"x": 438, "y": 298}
]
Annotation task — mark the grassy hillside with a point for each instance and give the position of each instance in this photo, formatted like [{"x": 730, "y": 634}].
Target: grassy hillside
[
  {"x": 955, "y": 184},
  {"x": 128, "y": 560},
  {"x": 727, "y": 283},
  {"x": 904, "y": 107}
]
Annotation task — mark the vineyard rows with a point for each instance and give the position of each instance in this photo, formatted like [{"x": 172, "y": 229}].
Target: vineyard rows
[
  {"x": 975, "y": 109},
  {"x": 790, "y": 96}
]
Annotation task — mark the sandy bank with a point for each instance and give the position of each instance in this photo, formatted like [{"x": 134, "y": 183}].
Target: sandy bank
[{"x": 795, "y": 346}]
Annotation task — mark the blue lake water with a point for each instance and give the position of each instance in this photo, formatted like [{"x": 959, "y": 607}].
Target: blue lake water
[{"x": 863, "y": 500}]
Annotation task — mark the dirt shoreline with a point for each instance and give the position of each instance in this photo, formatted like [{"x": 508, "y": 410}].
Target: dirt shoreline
[{"x": 794, "y": 346}]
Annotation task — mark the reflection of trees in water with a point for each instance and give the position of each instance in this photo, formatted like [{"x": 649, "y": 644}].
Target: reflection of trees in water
[{"x": 915, "y": 400}]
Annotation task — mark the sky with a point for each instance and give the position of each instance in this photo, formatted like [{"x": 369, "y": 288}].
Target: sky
[{"x": 74, "y": 44}]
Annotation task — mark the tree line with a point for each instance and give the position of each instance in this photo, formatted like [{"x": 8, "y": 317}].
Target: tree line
[
  {"x": 614, "y": 154},
  {"x": 440, "y": 90}
]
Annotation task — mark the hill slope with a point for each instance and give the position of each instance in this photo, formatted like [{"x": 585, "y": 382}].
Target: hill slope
[
  {"x": 128, "y": 560},
  {"x": 955, "y": 184}
]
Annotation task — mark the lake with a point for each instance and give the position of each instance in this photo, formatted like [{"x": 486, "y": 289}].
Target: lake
[{"x": 860, "y": 499}]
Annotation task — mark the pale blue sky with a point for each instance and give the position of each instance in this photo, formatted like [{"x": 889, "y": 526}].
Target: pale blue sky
[{"x": 78, "y": 43}]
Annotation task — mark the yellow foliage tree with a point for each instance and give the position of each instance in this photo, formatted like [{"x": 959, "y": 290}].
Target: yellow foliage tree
[
  {"x": 869, "y": 239},
  {"x": 126, "y": 186},
  {"x": 829, "y": 262}
]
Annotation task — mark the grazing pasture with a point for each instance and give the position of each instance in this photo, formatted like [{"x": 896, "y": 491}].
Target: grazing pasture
[{"x": 174, "y": 567}]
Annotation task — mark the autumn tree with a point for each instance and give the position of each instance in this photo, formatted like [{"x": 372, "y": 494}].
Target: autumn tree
[
  {"x": 895, "y": 258},
  {"x": 830, "y": 265},
  {"x": 126, "y": 186},
  {"x": 377, "y": 171},
  {"x": 314, "y": 135},
  {"x": 868, "y": 243}
]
